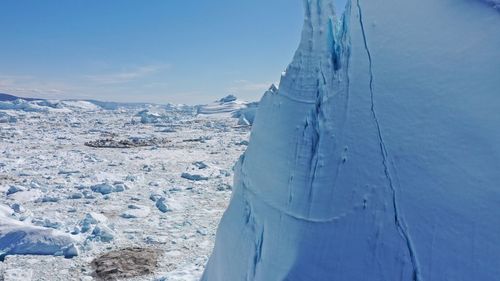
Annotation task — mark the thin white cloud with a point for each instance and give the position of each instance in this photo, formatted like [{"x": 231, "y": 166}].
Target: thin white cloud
[
  {"x": 126, "y": 76},
  {"x": 82, "y": 86},
  {"x": 29, "y": 86}
]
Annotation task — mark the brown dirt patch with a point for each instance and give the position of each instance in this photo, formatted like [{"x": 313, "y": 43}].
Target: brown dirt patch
[{"x": 125, "y": 263}]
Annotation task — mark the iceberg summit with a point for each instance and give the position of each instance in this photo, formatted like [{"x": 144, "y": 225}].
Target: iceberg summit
[{"x": 378, "y": 159}]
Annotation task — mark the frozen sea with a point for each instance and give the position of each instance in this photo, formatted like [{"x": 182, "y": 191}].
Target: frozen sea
[{"x": 143, "y": 177}]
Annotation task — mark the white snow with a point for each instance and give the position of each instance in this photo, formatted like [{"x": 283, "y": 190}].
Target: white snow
[
  {"x": 78, "y": 104},
  {"x": 376, "y": 159},
  {"x": 232, "y": 106},
  {"x": 20, "y": 238},
  {"x": 149, "y": 116},
  {"x": 225, "y": 106},
  {"x": 64, "y": 185},
  {"x": 136, "y": 212}
]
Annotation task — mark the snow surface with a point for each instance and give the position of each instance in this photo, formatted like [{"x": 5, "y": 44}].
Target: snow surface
[
  {"x": 58, "y": 191},
  {"x": 379, "y": 156},
  {"x": 20, "y": 238}
]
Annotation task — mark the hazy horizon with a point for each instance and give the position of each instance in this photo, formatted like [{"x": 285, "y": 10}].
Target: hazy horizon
[{"x": 159, "y": 52}]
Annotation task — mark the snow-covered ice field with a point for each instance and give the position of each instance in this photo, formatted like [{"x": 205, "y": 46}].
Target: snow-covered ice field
[
  {"x": 166, "y": 194},
  {"x": 376, "y": 159}
]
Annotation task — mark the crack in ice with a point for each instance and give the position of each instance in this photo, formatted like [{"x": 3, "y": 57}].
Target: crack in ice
[
  {"x": 398, "y": 219},
  {"x": 246, "y": 189},
  {"x": 297, "y": 100}
]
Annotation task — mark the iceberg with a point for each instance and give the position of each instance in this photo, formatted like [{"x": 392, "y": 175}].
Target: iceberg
[
  {"x": 378, "y": 157},
  {"x": 226, "y": 105},
  {"x": 20, "y": 238}
]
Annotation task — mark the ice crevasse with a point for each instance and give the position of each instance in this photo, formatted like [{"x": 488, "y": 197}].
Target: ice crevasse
[{"x": 379, "y": 156}]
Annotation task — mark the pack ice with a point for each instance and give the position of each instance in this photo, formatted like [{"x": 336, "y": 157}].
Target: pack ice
[
  {"x": 136, "y": 190},
  {"x": 378, "y": 158}
]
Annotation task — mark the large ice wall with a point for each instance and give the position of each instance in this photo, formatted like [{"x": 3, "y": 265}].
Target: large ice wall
[{"x": 379, "y": 156}]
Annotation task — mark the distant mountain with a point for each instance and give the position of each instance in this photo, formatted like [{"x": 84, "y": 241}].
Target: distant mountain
[{"x": 7, "y": 97}]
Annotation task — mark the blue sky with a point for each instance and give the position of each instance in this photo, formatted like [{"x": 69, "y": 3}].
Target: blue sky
[{"x": 152, "y": 51}]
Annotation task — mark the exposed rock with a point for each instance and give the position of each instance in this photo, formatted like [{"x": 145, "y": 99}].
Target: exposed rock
[
  {"x": 127, "y": 143},
  {"x": 125, "y": 263},
  {"x": 192, "y": 177}
]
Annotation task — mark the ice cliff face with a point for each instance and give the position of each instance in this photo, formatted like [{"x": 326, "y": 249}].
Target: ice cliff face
[{"x": 378, "y": 157}]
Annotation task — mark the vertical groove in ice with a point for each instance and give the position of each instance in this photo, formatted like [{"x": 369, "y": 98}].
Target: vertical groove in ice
[
  {"x": 318, "y": 176},
  {"x": 398, "y": 216}
]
